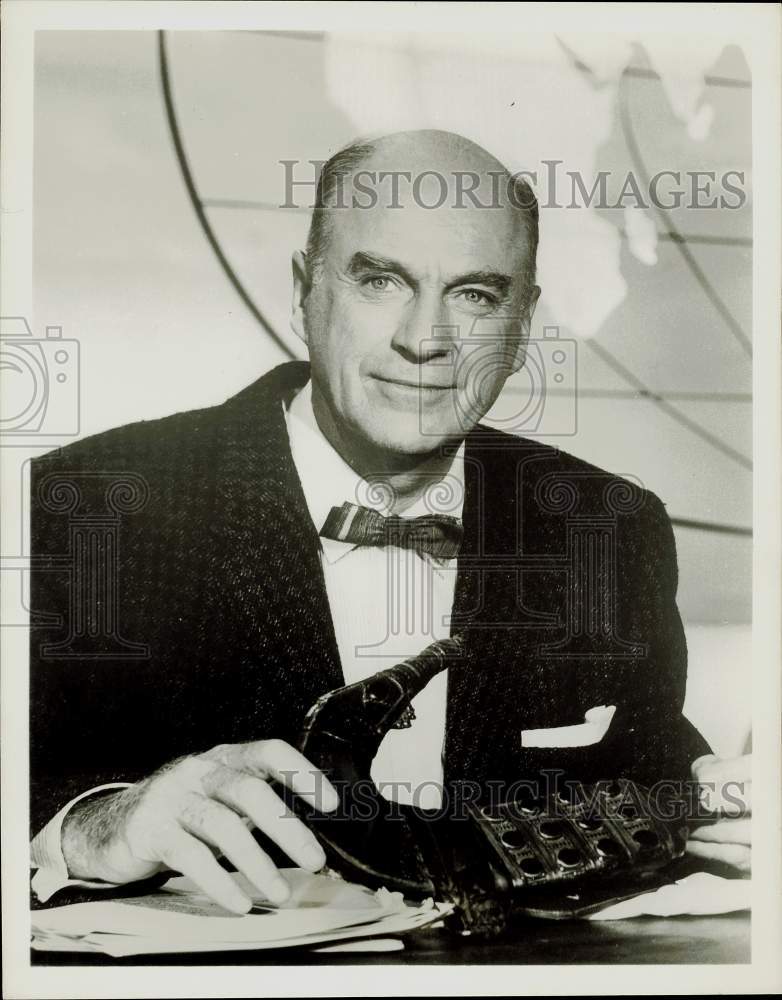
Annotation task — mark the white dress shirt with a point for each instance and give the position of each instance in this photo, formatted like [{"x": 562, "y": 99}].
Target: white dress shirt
[{"x": 387, "y": 604}]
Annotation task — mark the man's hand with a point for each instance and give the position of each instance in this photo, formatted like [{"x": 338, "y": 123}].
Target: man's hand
[
  {"x": 726, "y": 788},
  {"x": 197, "y": 807}
]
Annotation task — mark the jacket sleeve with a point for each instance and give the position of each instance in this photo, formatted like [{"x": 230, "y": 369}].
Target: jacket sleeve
[
  {"x": 660, "y": 741},
  {"x": 73, "y": 713}
]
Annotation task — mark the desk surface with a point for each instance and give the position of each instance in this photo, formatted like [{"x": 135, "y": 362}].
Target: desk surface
[{"x": 643, "y": 940}]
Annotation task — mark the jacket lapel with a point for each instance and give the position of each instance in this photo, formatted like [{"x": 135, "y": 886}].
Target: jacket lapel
[
  {"x": 485, "y": 696},
  {"x": 271, "y": 573}
]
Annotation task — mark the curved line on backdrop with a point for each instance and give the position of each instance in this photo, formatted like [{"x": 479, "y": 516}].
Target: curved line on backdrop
[
  {"x": 661, "y": 403},
  {"x": 671, "y": 231},
  {"x": 198, "y": 208},
  {"x": 187, "y": 176}
]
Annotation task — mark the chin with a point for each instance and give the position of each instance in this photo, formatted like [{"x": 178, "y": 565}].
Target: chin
[
  {"x": 413, "y": 442},
  {"x": 413, "y": 446}
]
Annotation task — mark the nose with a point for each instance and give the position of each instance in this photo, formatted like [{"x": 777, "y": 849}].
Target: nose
[{"x": 423, "y": 334}]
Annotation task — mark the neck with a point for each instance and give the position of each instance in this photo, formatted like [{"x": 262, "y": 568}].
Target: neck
[{"x": 405, "y": 477}]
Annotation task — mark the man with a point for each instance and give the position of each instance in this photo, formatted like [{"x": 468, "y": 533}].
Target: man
[{"x": 244, "y": 589}]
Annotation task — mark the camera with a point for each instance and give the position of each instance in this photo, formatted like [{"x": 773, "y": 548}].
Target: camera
[
  {"x": 40, "y": 381},
  {"x": 538, "y": 400}
]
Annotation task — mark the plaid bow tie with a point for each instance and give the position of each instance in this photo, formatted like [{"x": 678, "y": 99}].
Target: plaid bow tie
[{"x": 438, "y": 535}]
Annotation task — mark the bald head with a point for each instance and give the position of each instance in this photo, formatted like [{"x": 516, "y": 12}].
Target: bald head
[
  {"x": 422, "y": 150},
  {"x": 427, "y": 170}
]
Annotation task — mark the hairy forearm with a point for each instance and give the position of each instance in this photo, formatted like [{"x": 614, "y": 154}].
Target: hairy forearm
[{"x": 90, "y": 830}]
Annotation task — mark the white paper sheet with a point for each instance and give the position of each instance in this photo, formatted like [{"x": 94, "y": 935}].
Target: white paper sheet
[
  {"x": 698, "y": 894},
  {"x": 179, "y": 918}
]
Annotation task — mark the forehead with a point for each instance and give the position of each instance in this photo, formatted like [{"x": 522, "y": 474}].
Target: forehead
[{"x": 428, "y": 223}]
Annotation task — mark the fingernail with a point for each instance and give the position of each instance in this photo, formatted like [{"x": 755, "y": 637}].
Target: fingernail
[
  {"x": 241, "y": 904},
  {"x": 329, "y": 800},
  {"x": 313, "y": 857},
  {"x": 278, "y": 890}
]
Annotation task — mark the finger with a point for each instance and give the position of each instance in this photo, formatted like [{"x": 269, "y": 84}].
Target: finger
[
  {"x": 277, "y": 759},
  {"x": 713, "y": 768},
  {"x": 725, "y": 785},
  {"x": 726, "y": 831},
  {"x": 210, "y": 821},
  {"x": 730, "y": 798},
  {"x": 254, "y": 798},
  {"x": 183, "y": 853},
  {"x": 736, "y": 855}
]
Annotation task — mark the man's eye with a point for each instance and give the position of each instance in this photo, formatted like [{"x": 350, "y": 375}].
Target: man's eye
[
  {"x": 377, "y": 283},
  {"x": 474, "y": 297}
]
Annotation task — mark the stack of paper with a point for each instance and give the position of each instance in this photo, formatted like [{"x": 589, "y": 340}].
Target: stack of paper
[{"x": 179, "y": 918}]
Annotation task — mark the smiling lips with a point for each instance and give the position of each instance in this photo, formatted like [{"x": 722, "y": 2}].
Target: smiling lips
[{"x": 405, "y": 384}]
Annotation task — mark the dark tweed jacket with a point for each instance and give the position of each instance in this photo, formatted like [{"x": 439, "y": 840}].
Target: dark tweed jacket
[{"x": 178, "y": 602}]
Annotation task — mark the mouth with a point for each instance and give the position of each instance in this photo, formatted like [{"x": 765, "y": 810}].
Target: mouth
[{"x": 405, "y": 385}]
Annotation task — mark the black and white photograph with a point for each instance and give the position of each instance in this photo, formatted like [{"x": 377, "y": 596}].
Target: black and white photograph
[{"x": 391, "y": 499}]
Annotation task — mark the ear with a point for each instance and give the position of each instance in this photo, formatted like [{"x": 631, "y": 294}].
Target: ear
[
  {"x": 301, "y": 288},
  {"x": 526, "y": 326}
]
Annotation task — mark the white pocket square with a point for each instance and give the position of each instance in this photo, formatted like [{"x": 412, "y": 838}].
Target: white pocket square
[{"x": 592, "y": 730}]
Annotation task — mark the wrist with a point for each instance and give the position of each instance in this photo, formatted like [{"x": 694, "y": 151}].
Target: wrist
[{"x": 88, "y": 834}]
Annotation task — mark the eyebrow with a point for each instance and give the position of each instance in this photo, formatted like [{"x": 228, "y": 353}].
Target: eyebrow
[
  {"x": 362, "y": 262},
  {"x": 497, "y": 280}
]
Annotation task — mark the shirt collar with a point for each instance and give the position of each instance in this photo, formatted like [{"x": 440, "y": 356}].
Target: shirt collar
[{"x": 328, "y": 481}]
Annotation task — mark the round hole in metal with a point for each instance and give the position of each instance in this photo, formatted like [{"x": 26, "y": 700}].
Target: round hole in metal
[
  {"x": 646, "y": 839},
  {"x": 532, "y": 866},
  {"x": 513, "y": 839},
  {"x": 608, "y": 847},
  {"x": 569, "y": 857}
]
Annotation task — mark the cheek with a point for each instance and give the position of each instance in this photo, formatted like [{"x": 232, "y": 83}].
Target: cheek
[
  {"x": 485, "y": 367},
  {"x": 337, "y": 348},
  {"x": 343, "y": 327},
  {"x": 483, "y": 371}
]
